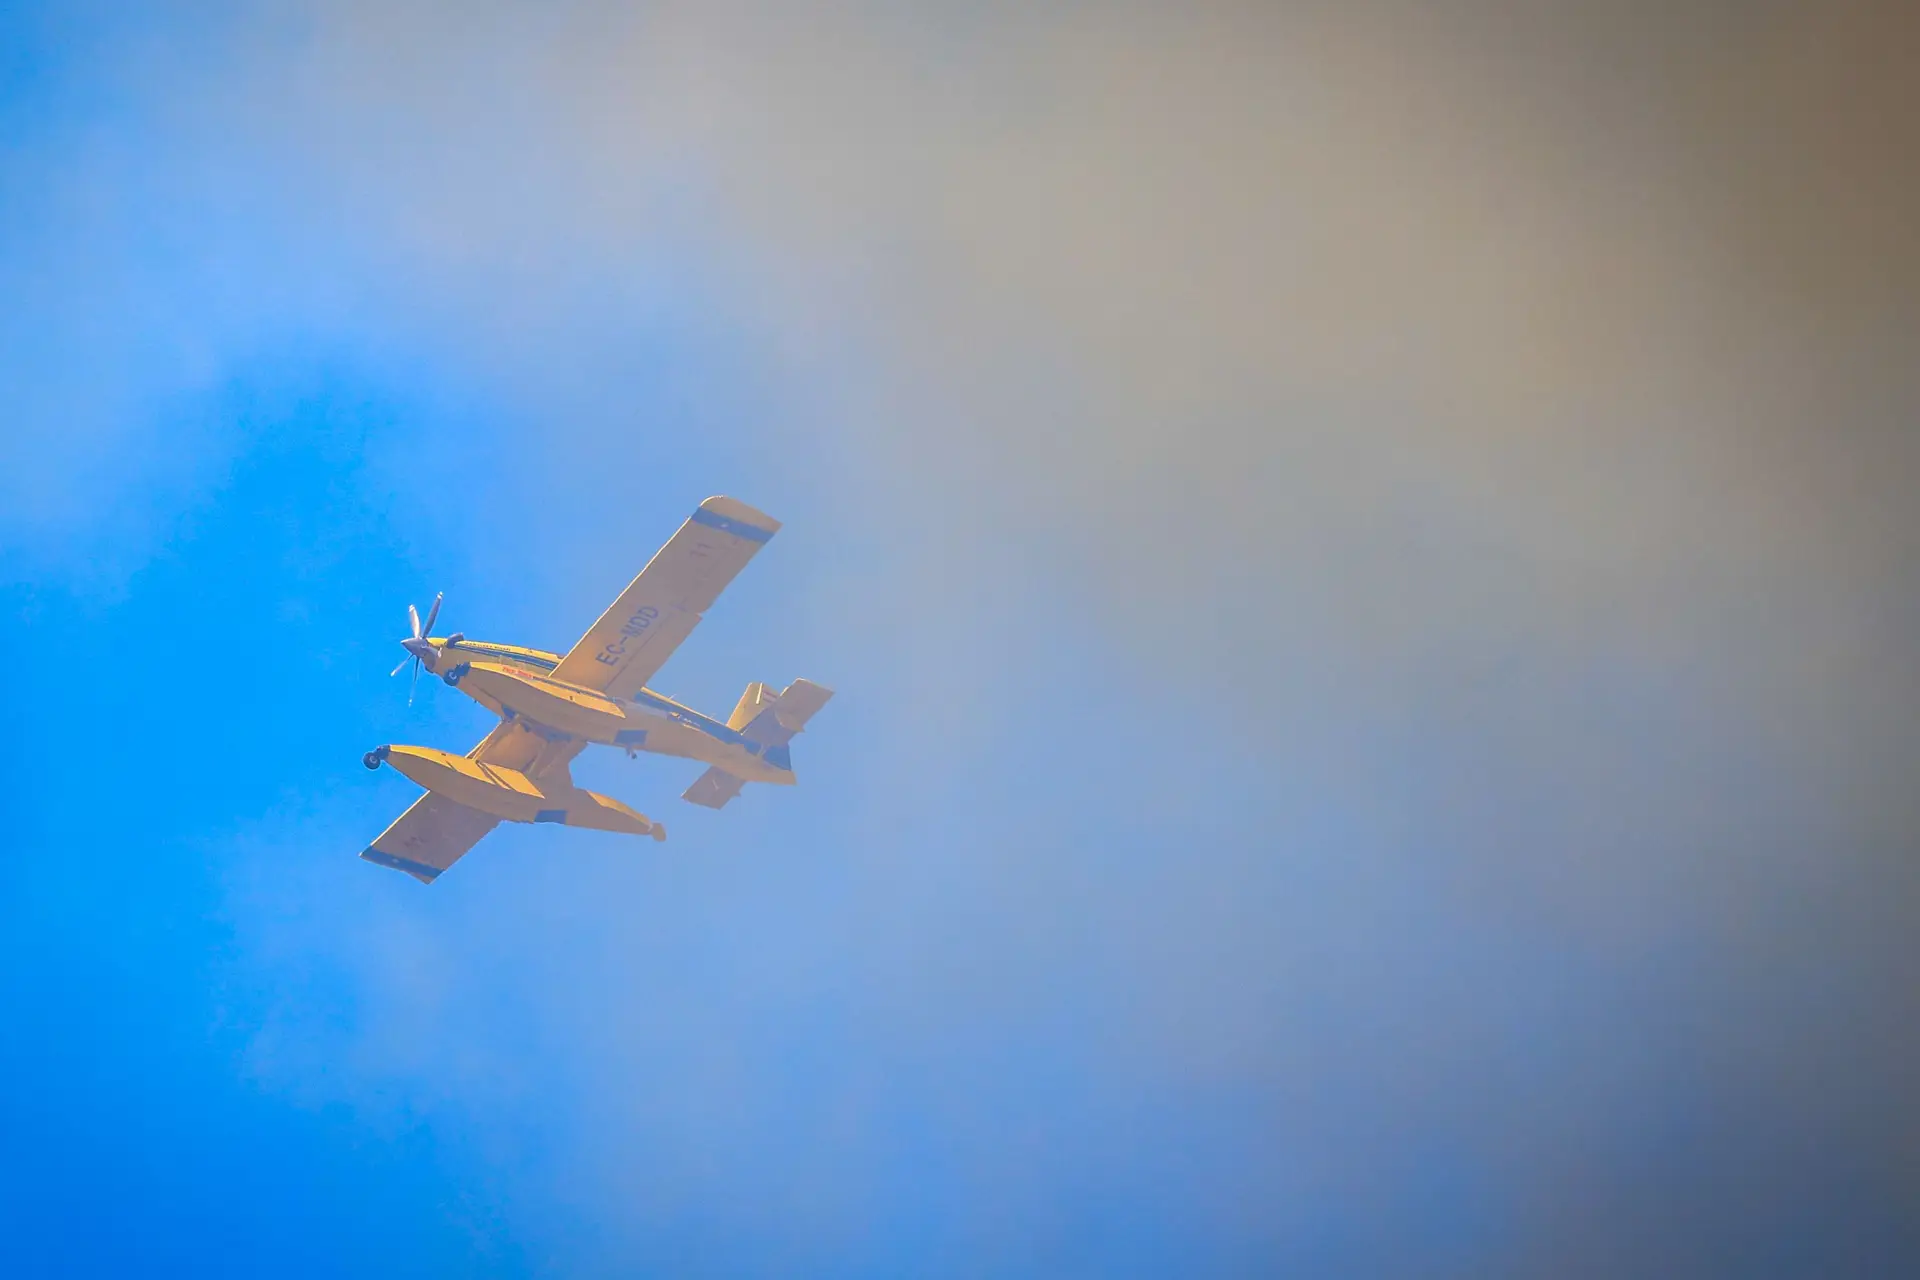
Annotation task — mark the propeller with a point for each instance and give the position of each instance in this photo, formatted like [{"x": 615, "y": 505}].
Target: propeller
[{"x": 418, "y": 650}]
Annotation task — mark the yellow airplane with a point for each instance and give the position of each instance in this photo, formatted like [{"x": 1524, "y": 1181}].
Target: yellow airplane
[{"x": 551, "y": 706}]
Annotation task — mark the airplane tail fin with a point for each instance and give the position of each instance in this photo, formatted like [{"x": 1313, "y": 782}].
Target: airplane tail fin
[{"x": 767, "y": 719}]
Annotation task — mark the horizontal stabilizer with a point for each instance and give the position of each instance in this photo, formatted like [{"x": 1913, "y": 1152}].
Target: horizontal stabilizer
[
  {"x": 749, "y": 706},
  {"x": 766, "y": 730},
  {"x": 770, "y": 719},
  {"x": 798, "y": 702},
  {"x": 713, "y": 788}
]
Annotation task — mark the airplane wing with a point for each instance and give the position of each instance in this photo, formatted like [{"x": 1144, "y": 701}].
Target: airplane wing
[
  {"x": 513, "y": 745},
  {"x": 429, "y": 837},
  {"x": 641, "y": 629},
  {"x": 713, "y": 788},
  {"x": 435, "y": 832}
]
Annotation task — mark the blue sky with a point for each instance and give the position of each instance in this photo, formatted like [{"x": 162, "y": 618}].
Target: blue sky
[{"x": 1373, "y": 732}]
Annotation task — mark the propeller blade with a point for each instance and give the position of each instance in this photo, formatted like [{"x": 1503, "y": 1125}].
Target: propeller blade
[
  {"x": 432, "y": 613},
  {"x": 403, "y": 662},
  {"x": 415, "y": 684},
  {"x": 413, "y": 620}
]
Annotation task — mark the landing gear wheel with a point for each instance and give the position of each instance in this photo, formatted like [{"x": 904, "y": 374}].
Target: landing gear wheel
[
  {"x": 373, "y": 758},
  {"x": 453, "y": 677}
]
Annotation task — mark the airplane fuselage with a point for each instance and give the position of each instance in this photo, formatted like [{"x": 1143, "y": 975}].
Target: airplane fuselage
[{"x": 518, "y": 684}]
